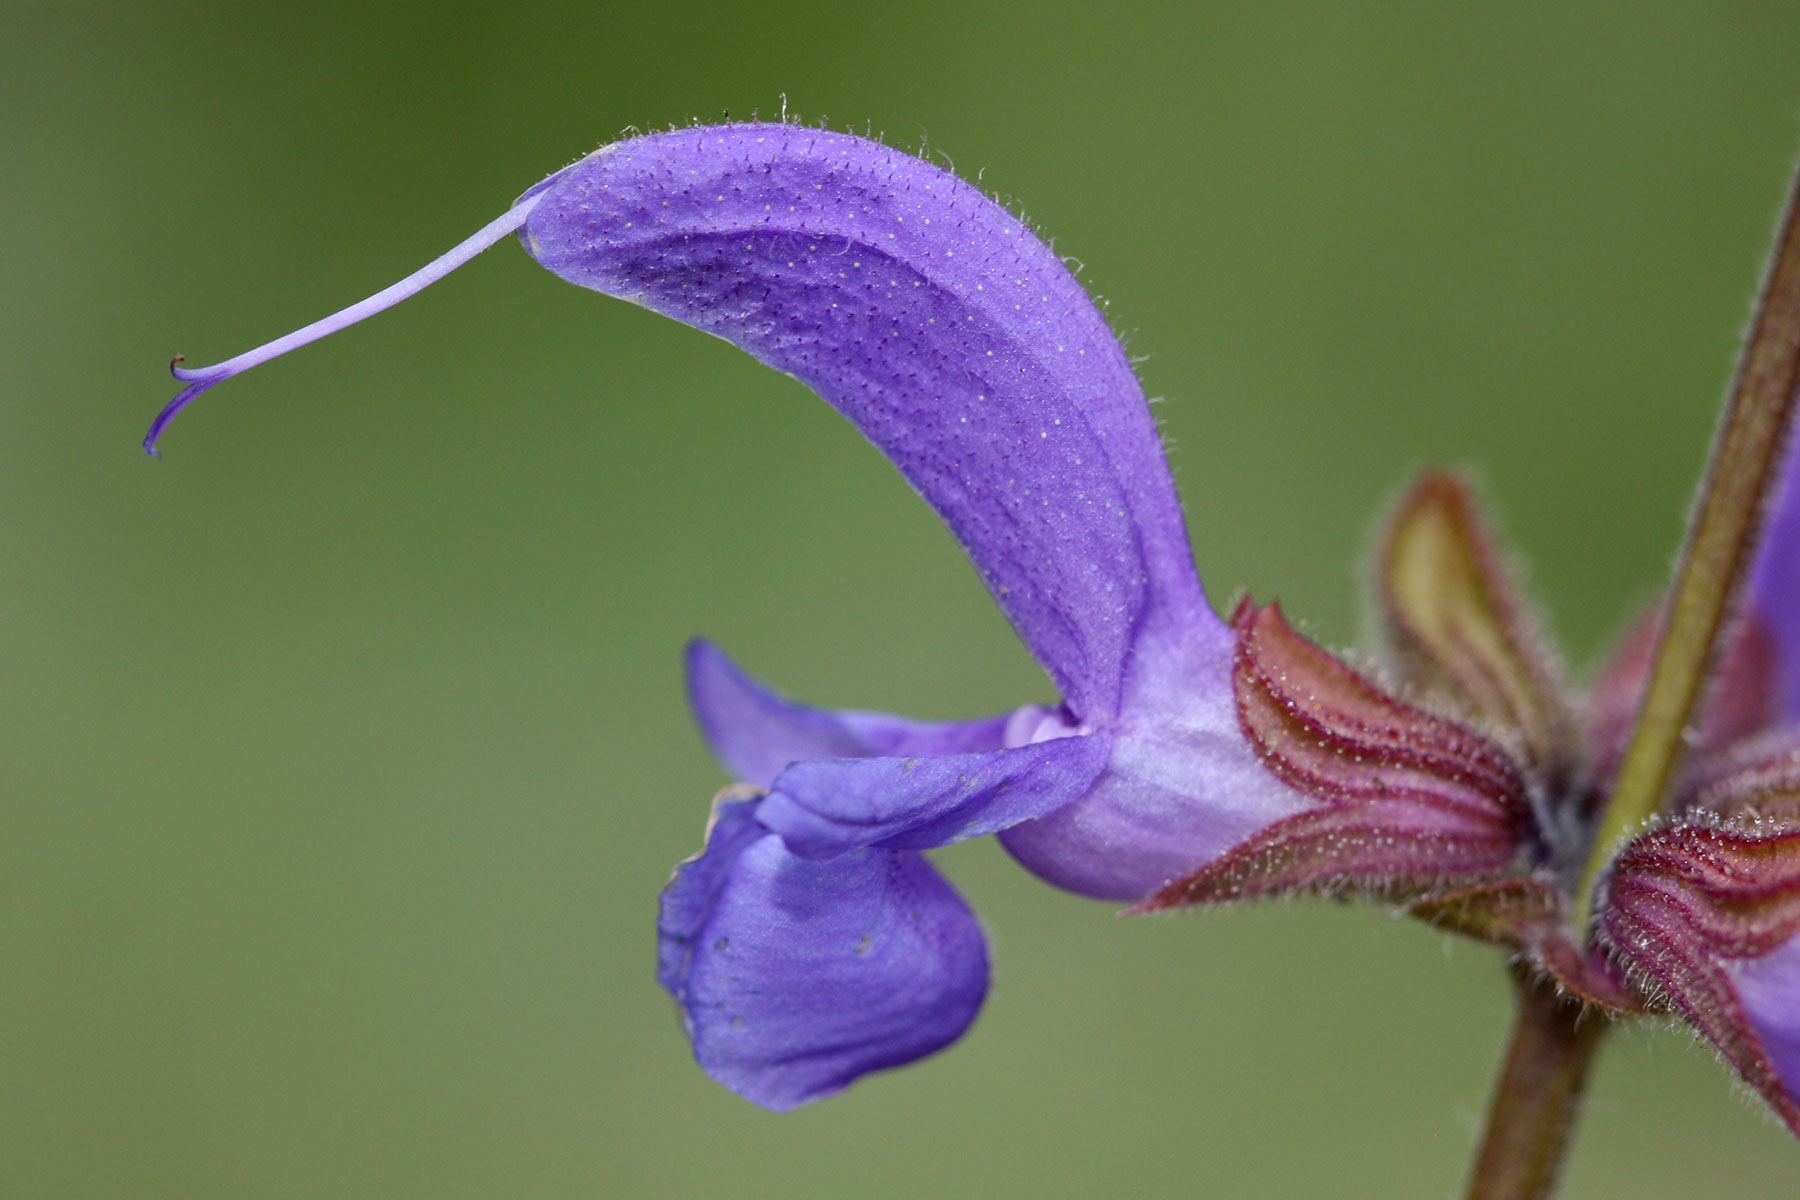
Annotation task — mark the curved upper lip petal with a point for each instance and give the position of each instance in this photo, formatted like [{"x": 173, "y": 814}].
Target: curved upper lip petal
[{"x": 942, "y": 327}]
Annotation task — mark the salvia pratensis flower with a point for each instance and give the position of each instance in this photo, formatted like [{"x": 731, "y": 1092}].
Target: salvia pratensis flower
[{"x": 1185, "y": 758}]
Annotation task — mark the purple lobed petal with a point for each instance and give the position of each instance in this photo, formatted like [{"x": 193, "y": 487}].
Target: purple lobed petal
[
  {"x": 828, "y": 807},
  {"x": 756, "y": 733},
  {"x": 693, "y": 891},
  {"x": 947, "y": 332},
  {"x": 796, "y": 977}
]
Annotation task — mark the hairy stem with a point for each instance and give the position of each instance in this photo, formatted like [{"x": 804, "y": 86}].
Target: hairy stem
[
  {"x": 1536, "y": 1097},
  {"x": 1717, "y": 553}
]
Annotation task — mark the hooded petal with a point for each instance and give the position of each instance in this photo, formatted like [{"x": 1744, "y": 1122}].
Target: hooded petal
[
  {"x": 798, "y": 977},
  {"x": 1774, "y": 593},
  {"x": 756, "y": 733},
  {"x": 951, "y": 336}
]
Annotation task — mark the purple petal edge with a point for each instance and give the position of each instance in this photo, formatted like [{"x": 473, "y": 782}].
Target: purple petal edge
[
  {"x": 829, "y": 807},
  {"x": 756, "y": 733},
  {"x": 1775, "y": 583},
  {"x": 1768, "y": 988}
]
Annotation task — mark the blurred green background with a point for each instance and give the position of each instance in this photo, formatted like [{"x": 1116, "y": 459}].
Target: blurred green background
[{"x": 345, "y": 748}]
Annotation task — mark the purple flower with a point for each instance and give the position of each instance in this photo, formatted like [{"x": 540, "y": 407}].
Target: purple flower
[
  {"x": 811, "y": 942},
  {"x": 1188, "y": 759}
]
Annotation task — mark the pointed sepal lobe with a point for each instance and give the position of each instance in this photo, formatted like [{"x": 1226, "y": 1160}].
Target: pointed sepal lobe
[{"x": 1459, "y": 625}]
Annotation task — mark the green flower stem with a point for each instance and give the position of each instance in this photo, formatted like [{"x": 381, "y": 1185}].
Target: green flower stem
[
  {"x": 1717, "y": 553},
  {"x": 1537, "y": 1095}
]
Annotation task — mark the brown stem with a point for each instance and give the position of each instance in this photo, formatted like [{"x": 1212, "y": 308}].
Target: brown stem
[{"x": 1536, "y": 1097}]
